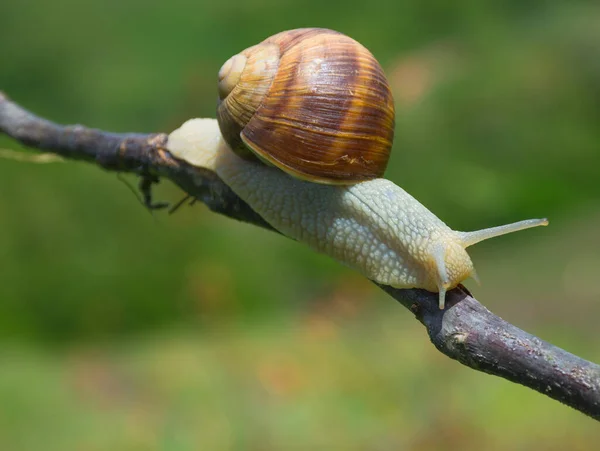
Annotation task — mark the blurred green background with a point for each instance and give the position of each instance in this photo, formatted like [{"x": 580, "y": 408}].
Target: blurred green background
[{"x": 124, "y": 331}]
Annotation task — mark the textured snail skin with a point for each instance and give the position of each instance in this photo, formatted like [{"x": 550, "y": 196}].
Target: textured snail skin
[{"x": 374, "y": 227}]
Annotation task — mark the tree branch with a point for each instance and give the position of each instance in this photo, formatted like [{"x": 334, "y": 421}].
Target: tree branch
[{"x": 465, "y": 331}]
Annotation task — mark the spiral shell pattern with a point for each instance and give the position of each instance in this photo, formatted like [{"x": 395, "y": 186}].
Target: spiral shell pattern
[{"x": 313, "y": 102}]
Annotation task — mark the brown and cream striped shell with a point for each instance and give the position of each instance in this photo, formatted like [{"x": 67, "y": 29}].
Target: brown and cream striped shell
[{"x": 311, "y": 101}]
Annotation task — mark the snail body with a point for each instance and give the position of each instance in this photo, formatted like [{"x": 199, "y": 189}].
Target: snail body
[{"x": 366, "y": 222}]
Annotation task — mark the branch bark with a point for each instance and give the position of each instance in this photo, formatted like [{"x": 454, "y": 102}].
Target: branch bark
[{"x": 465, "y": 331}]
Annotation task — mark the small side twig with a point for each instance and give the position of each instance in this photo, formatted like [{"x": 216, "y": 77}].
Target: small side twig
[{"x": 43, "y": 158}]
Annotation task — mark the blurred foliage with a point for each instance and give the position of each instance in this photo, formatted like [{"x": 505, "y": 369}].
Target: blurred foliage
[
  {"x": 498, "y": 120},
  {"x": 499, "y": 106},
  {"x": 310, "y": 383}
]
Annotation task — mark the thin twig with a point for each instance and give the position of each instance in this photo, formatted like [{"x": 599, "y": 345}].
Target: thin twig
[
  {"x": 43, "y": 158},
  {"x": 465, "y": 331}
]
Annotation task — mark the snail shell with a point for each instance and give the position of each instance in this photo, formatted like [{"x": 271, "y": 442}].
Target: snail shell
[{"x": 313, "y": 102}]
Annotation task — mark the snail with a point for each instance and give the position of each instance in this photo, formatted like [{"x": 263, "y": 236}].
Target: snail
[{"x": 305, "y": 123}]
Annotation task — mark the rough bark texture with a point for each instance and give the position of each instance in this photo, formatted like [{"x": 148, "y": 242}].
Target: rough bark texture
[{"x": 465, "y": 331}]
